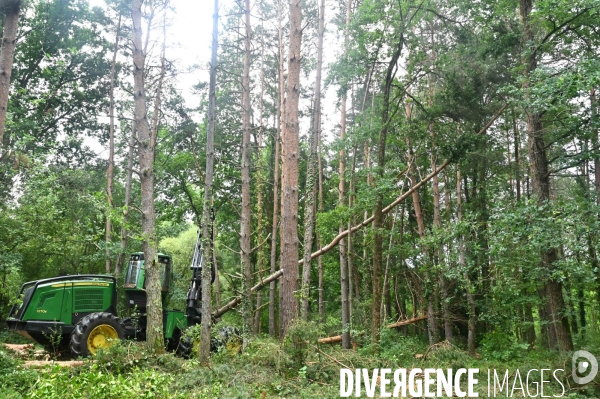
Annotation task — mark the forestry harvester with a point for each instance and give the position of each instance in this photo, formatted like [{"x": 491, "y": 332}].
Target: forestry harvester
[{"x": 80, "y": 311}]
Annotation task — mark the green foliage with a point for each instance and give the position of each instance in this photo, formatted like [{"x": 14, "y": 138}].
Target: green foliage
[
  {"x": 96, "y": 383},
  {"x": 502, "y": 347},
  {"x": 127, "y": 356},
  {"x": 298, "y": 339}
]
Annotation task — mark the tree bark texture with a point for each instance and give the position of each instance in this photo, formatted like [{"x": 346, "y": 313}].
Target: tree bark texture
[
  {"x": 12, "y": 9},
  {"x": 311, "y": 174},
  {"x": 280, "y": 119},
  {"x": 245, "y": 223},
  {"x": 341, "y": 194},
  {"x": 121, "y": 259},
  {"x": 154, "y": 329},
  {"x": 111, "y": 147},
  {"x": 207, "y": 219},
  {"x": 260, "y": 178},
  {"x": 289, "y": 179}
]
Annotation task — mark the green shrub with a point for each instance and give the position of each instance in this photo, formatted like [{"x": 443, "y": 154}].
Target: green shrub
[
  {"x": 299, "y": 337},
  {"x": 125, "y": 356},
  {"x": 502, "y": 347},
  {"x": 14, "y": 381},
  {"x": 268, "y": 353},
  {"x": 57, "y": 383}
]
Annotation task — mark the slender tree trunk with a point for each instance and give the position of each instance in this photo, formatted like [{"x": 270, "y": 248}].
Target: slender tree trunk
[
  {"x": 207, "y": 220},
  {"x": 121, "y": 259},
  {"x": 581, "y": 306},
  {"x": 161, "y": 78},
  {"x": 517, "y": 165},
  {"x": 385, "y": 308},
  {"x": 154, "y": 329},
  {"x": 350, "y": 251},
  {"x": 214, "y": 253},
  {"x": 437, "y": 224},
  {"x": 432, "y": 328},
  {"x": 260, "y": 186},
  {"x": 280, "y": 119},
  {"x": 12, "y": 9},
  {"x": 289, "y": 168},
  {"x": 245, "y": 223},
  {"x": 341, "y": 194},
  {"x": 540, "y": 178},
  {"x": 595, "y": 142},
  {"x": 111, "y": 147},
  {"x": 311, "y": 177},
  {"x": 463, "y": 265},
  {"x": 319, "y": 242}
]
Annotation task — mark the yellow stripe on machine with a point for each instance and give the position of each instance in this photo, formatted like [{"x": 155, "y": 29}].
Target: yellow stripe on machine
[{"x": 81, "y": 284}]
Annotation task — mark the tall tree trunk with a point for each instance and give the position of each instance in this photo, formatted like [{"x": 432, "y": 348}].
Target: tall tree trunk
[
  {"x": 260, "y": 185},
  {"x": 341, "y": 194},
  {"x": 595, "y": 142},
  {"x": 517, "y": 164},
  {"x": 161, "y": 78},
  {"x": 289, "y": 179},
  {"x": 311, "y": 174},
  {"x": 432, "y": 328},
  {"x": 385, "y": 307},
  {"x": 319, "y": 242},
  {"x": 275, "y": 224},
  {"x": 154, "y": 328},
  {"x": 214, "y": 252},
  {"x": 540, "y": 179},
  {"x": 128, "y": 180},
  {"x": 378, "y": 212},
  {"x": 437, "y": 224},
  {"x": 111, "y": 146},
  {"x": 207, "y": 220},
  {"x": 463, "y": 265},
  {"x": 350, "y": 249},
  {"x": 12, "y": 9},
  {"x": 246, "y": 211}
]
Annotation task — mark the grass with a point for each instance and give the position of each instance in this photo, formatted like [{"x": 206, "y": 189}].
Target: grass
[{"x": 266, "y": 369}]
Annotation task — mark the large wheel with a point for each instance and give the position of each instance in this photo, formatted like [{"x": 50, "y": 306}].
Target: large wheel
[
  {"x": 95, "y": 331},
  {"x": 228, "y": 338},
  {"x": 231, "y": 339},
  {"x": 187, "y": 347}
]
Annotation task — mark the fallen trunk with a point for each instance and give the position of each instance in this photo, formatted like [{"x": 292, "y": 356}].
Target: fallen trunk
[
  {"x": 43, "y": 363},
  {"x": 407, "y": 322},
  {"x": 234, "y": 302},
  {"x": 330, "y": 340}
]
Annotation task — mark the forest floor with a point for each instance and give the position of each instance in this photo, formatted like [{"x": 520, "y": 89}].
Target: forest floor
[{"x": 268, "y": 368}]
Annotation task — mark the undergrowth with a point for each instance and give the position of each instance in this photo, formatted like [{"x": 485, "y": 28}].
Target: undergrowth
[{"x": 294, "y": 368}]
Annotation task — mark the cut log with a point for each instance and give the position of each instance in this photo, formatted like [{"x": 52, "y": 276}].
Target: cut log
[
  {"x": 330, "y": 340},
  {"x": 235, "y": 301},
  {"x": 407, "y": 322},
  {"x": 43, "y": 363},
  {"x": 22, "y": 349}
]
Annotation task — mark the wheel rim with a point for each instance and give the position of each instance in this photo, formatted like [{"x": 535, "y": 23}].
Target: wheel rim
[
  {"x": 233, "y": 345},
  {"x": 101, "y": 337}
]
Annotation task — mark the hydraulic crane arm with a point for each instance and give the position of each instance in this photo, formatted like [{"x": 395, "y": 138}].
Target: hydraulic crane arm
[{"x": 193, "y": 309}]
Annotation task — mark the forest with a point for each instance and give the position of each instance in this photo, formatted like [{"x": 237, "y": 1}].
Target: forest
[{"x": 376, "y": 183}]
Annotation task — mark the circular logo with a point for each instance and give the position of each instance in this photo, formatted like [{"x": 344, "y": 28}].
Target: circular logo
[{"x": 581, "y": 367}]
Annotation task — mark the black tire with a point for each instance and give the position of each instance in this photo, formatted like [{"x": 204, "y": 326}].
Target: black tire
[
  {"x": 185, "y": 347},
  {"x": 230, "y": 339},
  {"x": 101, "y": 327}
]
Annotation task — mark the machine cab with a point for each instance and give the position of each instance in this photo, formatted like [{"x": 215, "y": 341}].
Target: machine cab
[{"x": 135, "y": 279}]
